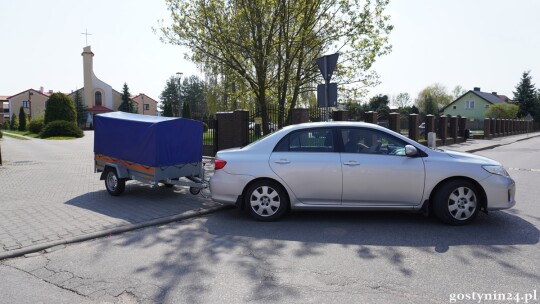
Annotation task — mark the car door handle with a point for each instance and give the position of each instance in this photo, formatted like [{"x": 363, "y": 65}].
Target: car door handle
[
  {"x": 282, "y": 161},
  {"x": 351, "y": 163}
]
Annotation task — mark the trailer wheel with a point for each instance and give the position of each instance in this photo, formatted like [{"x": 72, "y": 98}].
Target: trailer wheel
[
  {"x": 115, "y": 186},
  {"x": 194, "y": 190}
]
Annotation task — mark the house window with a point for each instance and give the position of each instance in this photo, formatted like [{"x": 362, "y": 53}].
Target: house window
[
  {"x": 454, "y": 107},
  {"x": 470, "y": 105},
  {"x": 146, "y": 107},
  {"x": 97, "y": 98},
  {"x": 26, "y": 104},
  {"x": 487, "y": 106}
]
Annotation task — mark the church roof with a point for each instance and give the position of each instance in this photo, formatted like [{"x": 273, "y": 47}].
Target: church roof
[{"x": 99, "y": 109}]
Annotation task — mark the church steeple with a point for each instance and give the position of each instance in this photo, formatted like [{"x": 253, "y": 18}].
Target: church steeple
[{"x": 88, "y": 71}]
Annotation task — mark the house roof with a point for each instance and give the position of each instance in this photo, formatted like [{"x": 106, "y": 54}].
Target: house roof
[
  {"x": 145, "y": 97},
  {"x": 33, "y": 91},
  {"x": 489, "y": 97},
  {"x": 4, "y": 98}
]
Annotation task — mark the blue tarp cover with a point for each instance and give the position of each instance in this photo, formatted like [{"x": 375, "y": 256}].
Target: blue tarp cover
[{"x": 148, "y": 140}]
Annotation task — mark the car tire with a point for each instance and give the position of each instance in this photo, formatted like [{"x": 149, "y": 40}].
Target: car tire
[
  {"x": 115, "y": 186},
  {"x": 266, "y": 201},
  {"x": 457, "y": 202}
]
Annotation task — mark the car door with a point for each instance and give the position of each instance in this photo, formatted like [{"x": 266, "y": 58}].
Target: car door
[
  {"x": 377, "y": 172},
  {"x": 307, "y": 161}
]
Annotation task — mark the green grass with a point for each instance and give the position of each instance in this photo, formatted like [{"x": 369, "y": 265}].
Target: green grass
[
  {"x": 208, "y": 138},
  {"x": 23, "y": 133},
  {"x": 61, "y": 138},
  {"x": 14, "y": 136}
]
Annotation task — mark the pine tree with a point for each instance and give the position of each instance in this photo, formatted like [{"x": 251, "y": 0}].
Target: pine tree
[
  {"x": 525, "y": 95},
  {"x": 127, "y": 103},
  {"x": 186, "y": 112},
  {"x": 170, "y": 97},
  {"x": 14, "y": 123},
  {"x": 81, "y": 109},
  {"x": 22, "y": 120},
  {"x": 167, "y": 110}
]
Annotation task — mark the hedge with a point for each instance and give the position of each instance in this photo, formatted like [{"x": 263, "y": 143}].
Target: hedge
[{"x": 61, "y": 128}]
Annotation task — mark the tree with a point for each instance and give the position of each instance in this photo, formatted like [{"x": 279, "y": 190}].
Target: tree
[
  {"x": 193, "y": 93},
  {"x": 458, "y": 91},
  {"x": 127, "y": 103},
  {"x": 81, "y": 109},
  {"x": 502, "y": 110},
  {"x": 269, "y": 47},
  {"x": 14, "y": 123},
  {"x": 186, "y": 112},
  {"x": 60, "y": 107},
  {"x": 378, "y": 101},
  {"x": 432, "y": 98},
  {"x": 401, "y": 101},
  {"x": 526, "y": 97},
  {"x": 170, "y": 98},
  {"x": 22, "y": 120}
]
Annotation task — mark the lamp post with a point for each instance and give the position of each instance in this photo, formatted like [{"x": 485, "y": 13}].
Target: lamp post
[
  {"x": 30, "y": 93},
  {"x": 179, "y": 74},
  {"x": 142, "y": 98}
]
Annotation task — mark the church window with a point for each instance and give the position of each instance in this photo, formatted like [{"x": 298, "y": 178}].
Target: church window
[{"x": 97, "y": 98}]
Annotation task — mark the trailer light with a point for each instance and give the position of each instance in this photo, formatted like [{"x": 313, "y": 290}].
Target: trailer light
[{"x": 219, "y": 164}]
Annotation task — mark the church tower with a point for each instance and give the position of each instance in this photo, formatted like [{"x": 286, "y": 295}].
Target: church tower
[{"x": 88, "y": 69}]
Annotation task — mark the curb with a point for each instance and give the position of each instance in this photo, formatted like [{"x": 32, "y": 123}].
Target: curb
[
  {"x": 500, "y": 145},
  {"x": 130, "y": 227}
]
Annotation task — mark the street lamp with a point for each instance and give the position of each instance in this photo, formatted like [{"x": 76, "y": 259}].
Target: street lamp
[
  {"x": 30, "y": 93},
  {"x": 142, "y": 98},
  {"x": 179, "y": 74}
]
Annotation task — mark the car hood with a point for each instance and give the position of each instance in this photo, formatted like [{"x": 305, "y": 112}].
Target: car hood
[{"x": 468, "y": 157}]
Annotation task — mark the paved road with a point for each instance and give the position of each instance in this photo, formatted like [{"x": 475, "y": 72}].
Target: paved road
[
  {"x": 309, "y": 257},
  {"x": 49, "y": 194}
]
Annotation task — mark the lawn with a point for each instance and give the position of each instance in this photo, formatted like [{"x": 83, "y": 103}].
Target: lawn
[{"x": 23, "y": 133}]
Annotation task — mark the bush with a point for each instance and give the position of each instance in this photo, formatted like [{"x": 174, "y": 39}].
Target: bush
[
  {"x": 61, "y": 128},
  {"x": 36, "y": 125},
  {"x": 205, "y": 127},
  {"x": 14, "y": 123},
  {"x": 60, "y": 107},
  {"x": 22, "y": 120},
  {"x": 1, "y": 134}
]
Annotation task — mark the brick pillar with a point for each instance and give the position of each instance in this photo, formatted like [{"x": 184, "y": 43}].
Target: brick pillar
[
  {"x": 504, "y": 126},
  {"x": 394, "y": 122},
  {"x": 443, "y": 128},
  {"x": 370, "y": 117},
  {"x": 493, "y": 127},
  {"x": 232, "y": 129},
  {"x": 340, "y": 115},
  {"x": 453, "y": 128},
  {"x": 413, "y": 126},
  {"x": 462, "y": 125},
  {"x": 300, "y": 116},
  {"x": 498, "y": 127},
  {"x": 487, "y": 129},
  {"x": 430, "y": 124}
]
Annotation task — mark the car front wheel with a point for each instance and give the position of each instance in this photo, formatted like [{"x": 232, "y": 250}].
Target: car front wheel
[
  {"x": 457, "y": 202},
  {"x": 266, "y": 201}
]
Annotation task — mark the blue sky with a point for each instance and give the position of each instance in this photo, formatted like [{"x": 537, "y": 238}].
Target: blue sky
[{"x": 453, "y": 42}]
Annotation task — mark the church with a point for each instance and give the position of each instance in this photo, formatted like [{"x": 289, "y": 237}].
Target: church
[{"x": 97, "y": 96}]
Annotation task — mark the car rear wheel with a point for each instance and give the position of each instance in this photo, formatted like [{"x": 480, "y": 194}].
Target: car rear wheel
[
  {"x": 457, "y": 202},
  {"x": 266, "y": 201}
]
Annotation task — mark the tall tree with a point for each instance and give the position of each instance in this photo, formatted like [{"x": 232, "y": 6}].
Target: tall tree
[
  {"x": 127, "y": 104},
  {"x": 432, "y": 98},
  {"x": 402, "y": 100},
  {"x": 60, "y": 107},
  {"x": 170, "y": 98},
  {"x": 193, "y": 94},
  {"x": 80, "y": 108},
  {"x": 22, "y": 119},
  {"x": 14, "y": 123},
  {"x": 526, "y": 96},
  {"x": 379, "y": 101},
  {"x": 186, "y": 112},
  {"x": 270, "y": 46},
  {"x": 458, "y": 91}
]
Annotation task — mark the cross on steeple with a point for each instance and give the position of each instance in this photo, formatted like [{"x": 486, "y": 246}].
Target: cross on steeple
[{"x": 87, "y": 34}]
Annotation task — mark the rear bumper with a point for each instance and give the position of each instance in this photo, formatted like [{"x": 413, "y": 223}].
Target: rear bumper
[
  {"x": 226, "y": 188},
  {"x": 500, "y": 192}
]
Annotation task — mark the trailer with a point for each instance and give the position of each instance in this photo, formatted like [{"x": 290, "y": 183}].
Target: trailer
[{"x": 148, "y": 149}]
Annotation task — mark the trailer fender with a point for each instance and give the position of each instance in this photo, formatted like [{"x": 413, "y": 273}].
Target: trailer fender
[{"x": 121, "y": 170}]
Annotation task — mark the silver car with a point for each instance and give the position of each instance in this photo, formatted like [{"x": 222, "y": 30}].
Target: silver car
[{"x": 352, "y": 165}]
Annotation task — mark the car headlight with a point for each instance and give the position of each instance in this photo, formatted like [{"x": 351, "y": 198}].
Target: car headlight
[{"x": 499, "y": 170}]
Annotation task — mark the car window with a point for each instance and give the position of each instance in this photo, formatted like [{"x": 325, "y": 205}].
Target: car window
[
  {"x": 365, "y": 141},
  {"x": 310, "y": 140}
]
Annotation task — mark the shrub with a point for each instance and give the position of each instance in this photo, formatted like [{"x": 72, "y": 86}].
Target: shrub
[
  {"x": 60, "y": 107},
  {"x": 14, "y": 123},
  {"x": 36, "y": 125},
  {"x": 61, "y": 128},
  {"x": 1, "y": 134},
  {"x": 22, "y": 120}
]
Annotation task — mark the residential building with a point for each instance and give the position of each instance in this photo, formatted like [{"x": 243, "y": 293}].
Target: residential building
[
  {"x": 4, "y": 109},
  {"x": 145, "y": 104},
  {"x": 32, "y": 101}
]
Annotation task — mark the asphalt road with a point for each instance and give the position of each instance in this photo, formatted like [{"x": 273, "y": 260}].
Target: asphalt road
[{"x": 309, "y": 257}]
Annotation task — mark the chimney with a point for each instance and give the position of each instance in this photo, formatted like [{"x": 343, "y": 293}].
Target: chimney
[
  {"x": 50, "y": 91},
  {"x": 494, "y": 93},
  {"x": 41, "y": 90},
  {"x": 476, "y": 89}
]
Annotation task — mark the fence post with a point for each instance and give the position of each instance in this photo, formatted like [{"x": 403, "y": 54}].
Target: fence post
[
  {"x": 443, "y": 128},
  {"x": 487, "y": 129},
  {"x": 462, "y": 124},
  {"x": 393, "y": 119},
  {"x": 498, "y": 127},
  {"x": 300, "y": 116},
  {"x": 413, "y": 127},
  {"x": 340, "y": 115},
  {"x": 371, "y": 117},
  {"x": 232, "y": 129},
  {"x": 453, "y": 128}
]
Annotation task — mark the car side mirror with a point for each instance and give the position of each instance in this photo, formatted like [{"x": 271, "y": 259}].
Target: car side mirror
[{"x": 410, "y": 151}]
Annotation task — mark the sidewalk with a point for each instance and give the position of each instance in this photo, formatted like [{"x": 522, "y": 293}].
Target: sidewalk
[
  {"x": 50, "y": 195},
  {"x": 474, "y": 145}
]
